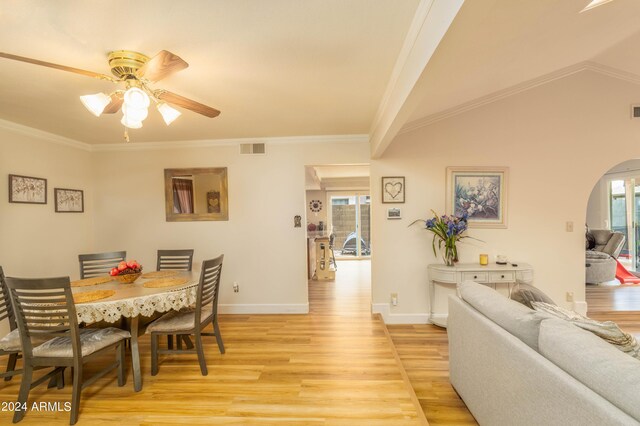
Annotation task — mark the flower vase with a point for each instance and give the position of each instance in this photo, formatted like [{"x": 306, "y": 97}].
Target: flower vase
[{"x": 450, "y": 254}]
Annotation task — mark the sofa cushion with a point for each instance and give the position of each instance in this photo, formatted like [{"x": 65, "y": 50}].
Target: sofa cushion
[
  {"x": 606, "y": 330},
  {"x": 598, "y": 365},
  {"x": 517, "y": 319},
  {"x": 525, "y": 294}
]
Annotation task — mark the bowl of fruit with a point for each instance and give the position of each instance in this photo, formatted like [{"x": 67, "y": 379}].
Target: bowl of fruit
[{"x": 127, "y": 272}]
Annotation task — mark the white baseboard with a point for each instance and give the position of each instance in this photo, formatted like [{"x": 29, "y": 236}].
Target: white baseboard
[
  {"x": 301, "y": 308},
  {"x": 389, "y": 318}
]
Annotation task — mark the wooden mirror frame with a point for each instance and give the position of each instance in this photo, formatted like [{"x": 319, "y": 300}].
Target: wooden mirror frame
[{"x": 169, "y": 174}]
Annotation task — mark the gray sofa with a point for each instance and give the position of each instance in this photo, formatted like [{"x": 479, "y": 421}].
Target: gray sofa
[
  {"x": 514, "y": 366},
  {"x": 601, "y": 260}
]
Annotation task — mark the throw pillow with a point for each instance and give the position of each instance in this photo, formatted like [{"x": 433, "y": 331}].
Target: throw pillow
[
  {"x": 606, "y": 330},
  {"x": 525, "y": 294},
  {"x": 590, "y": 240}
]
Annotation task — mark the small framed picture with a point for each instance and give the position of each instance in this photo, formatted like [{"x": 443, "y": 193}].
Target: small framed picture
[
  {"x": 394, "y": 213},
  {"x": 393, "y": 189},
  {"x": 27, "y": 189},
  {"x": 69, "y": 200}
]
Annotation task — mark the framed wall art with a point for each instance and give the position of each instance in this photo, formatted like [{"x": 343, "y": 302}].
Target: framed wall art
[
  {"x": 480, "y": 193},
  {"x": 27, "y": 189},
  {"x": 393, "y": 189},
  {"x": 69, "y": 200}
]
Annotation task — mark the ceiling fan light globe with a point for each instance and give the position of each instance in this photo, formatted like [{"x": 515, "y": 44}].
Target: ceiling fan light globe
[
  {"x": 168, "y": 113},
  {"x": 134, "y": 114},
  {"x": 131, "y": 124},
  {"x": 136, "y": 98},
  {"x": 95, "y": 103}
]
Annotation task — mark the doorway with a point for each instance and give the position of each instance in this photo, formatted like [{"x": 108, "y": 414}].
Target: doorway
[
  {"x": 349, "y": 218},
  {"x": 338, "y": 234}
]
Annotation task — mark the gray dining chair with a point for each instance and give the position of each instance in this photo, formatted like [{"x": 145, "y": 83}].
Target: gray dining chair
[
  {"x": 179, "y": 260},
  {"x": 98, "y": 264},
  {"x": 44, "y": 308},
  {"x": 9, "y": 344},
  {"x": 192, "y": 321}
]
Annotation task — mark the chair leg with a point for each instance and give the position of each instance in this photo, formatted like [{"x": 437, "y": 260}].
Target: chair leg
[
  {"x": 120, "y": 358},
  {"x": 179, "y": 342},
  {"x": 25, "y": 386},
  {"x": 154, "y": 354},
  {"x": 200, "y": 351},
  {"x": 60, "y": 379},
  {"x": 75, "y": 394},
  {"x": 187, "y": 341},
  {"x": 169, "y": 341},
  {"x": 11, "y": 365},
  {"x": 216, "y": 329}
]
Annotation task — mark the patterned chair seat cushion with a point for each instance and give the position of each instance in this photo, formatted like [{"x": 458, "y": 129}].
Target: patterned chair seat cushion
[
  {"x": 11, "y": 342},
  {"x": 178, "y": 321},
  {"x": 91, "y": 340}
]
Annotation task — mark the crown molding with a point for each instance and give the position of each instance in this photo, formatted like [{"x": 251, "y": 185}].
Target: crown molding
[
  {"x": 519, "y": 88},
  {"x": 42, "y": 135},
  {"x": 149, "y": 146}
]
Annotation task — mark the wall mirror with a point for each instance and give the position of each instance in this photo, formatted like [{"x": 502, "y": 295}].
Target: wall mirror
[{"x": 196, "y": 194}]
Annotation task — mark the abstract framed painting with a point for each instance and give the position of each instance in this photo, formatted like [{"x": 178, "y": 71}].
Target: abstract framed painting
[
  {"x": 69, "y": 200},
  {"x": 480, "y": 193},
  {"x": 27, "y": 189}
]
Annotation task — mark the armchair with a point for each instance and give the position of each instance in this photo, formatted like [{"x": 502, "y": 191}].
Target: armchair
[{"x": 601, "y": 260}]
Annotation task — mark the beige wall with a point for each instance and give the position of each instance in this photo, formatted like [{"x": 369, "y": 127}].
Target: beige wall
[
  {"x": 557, "y": 139},
  {"x": 34, "y": 240},
  {"x": 263, "y": 252}
]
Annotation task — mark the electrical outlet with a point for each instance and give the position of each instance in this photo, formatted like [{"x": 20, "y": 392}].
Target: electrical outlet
[
  {"x": 236, "y": 287},
  {"x": 569, "y": 296},
  {"x": 394, "y": 299},
  {"x": 569, "y": 226}
]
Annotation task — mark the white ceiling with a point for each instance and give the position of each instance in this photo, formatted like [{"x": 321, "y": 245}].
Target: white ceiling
[
  {"x": 274, "y": 68},
  {"x": 496, "y": 44}
]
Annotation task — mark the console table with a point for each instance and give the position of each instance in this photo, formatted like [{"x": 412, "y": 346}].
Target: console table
[{"x": 493, "y": 274}]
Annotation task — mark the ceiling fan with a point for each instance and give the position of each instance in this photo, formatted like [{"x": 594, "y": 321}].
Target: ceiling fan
[{"x": 137, "y": 72}]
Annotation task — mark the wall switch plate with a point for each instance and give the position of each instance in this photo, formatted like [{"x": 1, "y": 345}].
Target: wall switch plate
[
  {"x": 569, "y": 296},
  {"x": 394, "y": 299},
  {"x": 569, "y": 226},
  {"x": 236, "y": 287}
]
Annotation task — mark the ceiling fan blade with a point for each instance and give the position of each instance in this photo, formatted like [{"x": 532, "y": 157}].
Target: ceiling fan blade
[
  {"x": 161, "y": 66},
  {"x": 183, "y": 102},
  {"x": 116, "y": 102},
  {"x": 58, "y": 67}
]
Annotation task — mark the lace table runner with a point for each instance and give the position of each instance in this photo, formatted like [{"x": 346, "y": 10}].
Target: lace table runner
[{"x": 146, "y": 305}]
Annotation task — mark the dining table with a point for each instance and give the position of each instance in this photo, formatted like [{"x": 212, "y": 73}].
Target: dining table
[{"x": 135, "y": 301}]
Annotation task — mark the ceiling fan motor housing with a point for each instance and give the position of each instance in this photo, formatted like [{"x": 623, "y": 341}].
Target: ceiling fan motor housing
[{"x": 125, "y": 63}]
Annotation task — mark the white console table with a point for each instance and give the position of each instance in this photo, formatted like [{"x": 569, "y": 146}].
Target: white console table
[{"x": 492, "y": 274}]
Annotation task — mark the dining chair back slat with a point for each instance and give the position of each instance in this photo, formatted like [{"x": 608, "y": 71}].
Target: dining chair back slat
[
  {"x": 179, "y": 260},
  {"x": 98, "y": 264}
]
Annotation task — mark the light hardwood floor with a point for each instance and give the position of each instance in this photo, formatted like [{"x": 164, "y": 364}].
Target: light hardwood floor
[
  {"x": 424, "y": 352},
  {"x": 335, "y": 366}
]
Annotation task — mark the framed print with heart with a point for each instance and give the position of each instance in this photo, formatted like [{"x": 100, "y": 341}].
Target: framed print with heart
[{"x": 393, "y": 189}]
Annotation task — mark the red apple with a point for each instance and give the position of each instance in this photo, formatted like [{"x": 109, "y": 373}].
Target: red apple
[
  {"x": 114, "y": 272},
  {"x": 132, "y": 264},
  {"x": 122, "y": 266}
]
